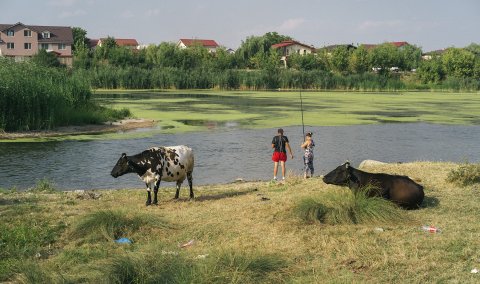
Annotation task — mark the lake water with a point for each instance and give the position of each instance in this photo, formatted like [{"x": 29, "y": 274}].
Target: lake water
[{"x": 224, "y": 154}]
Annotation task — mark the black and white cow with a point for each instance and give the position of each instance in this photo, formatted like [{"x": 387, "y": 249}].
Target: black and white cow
[
  {"x": 173, "y": 163},
  {"x": 399, "y": 189}
]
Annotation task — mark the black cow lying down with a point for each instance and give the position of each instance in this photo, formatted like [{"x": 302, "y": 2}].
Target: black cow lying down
[{"x": 399, "y": 189}]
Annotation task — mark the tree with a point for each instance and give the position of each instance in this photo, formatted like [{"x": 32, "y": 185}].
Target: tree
[
  {"x": 359, "y": 60},
  {"x": 384, "y": 57},
  {"x": 458, "y": 62},
  {"x": 431, "y": 71},
  {"x": 252, "y": 51},
  {"x": 103, "y": 52},
  {"x": 474, "y": 48},
  {"x": 44, "y": 58},
  {"x": 80, "y": 39},
  {"x": 410, "y": 57},
  {"x": 339, "y": 59},
  {"x": 305, "y": 62}
]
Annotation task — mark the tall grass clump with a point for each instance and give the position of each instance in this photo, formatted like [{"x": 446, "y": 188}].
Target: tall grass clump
[
  {"x": 109, "y": 225},
  {"x": 217, "y": 267},
  {"x": 43, "y": 186},
  {"x": 34, "y": 97},
  {"x": 349, "y": 207},
  {"x": 464, "y": 175}
]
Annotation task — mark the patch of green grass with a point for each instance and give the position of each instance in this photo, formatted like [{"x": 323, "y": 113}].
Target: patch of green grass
[
  {"x": 108, "y": 225},
  {"x": 347, "y": 207},
  {"x": 466, "y": 174}
]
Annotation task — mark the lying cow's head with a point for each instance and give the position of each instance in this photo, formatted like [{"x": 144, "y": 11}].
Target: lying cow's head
[
  {"x": 121, "y": 167},
  {"x": 338, "y": 176}
]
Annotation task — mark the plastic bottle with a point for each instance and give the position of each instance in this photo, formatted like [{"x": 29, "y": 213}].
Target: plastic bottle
[{"x": 431, "y": 229}]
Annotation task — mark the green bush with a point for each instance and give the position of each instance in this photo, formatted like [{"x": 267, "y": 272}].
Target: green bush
[
  {"x": 348, "y": 207},
  {"x": 464, "y": 175}
]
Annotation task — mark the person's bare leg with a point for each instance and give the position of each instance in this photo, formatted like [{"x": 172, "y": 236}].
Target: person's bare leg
[
  {"x": 283, "y": 168},
  {"x": 275, "y": 169}
]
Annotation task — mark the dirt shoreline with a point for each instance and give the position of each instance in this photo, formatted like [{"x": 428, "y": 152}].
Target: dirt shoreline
[{"x": 122, "y": 125}]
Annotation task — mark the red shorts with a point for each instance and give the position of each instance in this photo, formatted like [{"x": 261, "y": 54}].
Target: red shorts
[{"x": 279, "y": 156}]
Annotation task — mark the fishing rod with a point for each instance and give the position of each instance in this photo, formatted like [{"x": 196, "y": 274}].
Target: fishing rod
[{"x": 301, "y": 109}]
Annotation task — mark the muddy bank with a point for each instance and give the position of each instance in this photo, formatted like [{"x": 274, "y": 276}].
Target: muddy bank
[{"x": 107, "y": 127}]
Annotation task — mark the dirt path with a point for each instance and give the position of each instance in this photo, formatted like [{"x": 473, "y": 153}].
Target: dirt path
[{"x": 121, "y": 125}]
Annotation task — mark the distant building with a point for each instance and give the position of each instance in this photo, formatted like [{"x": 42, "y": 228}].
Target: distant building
[
  {"x": 330, "y": 48},
  {"x": 209, "y": 44},
  {"x": 432, "y": 54},
  {"x": 290, "y": 47},
  {"x": 398, "y": 44},
  {"x": 124, "y": 42},
  {"x": 21, "y": 41}
]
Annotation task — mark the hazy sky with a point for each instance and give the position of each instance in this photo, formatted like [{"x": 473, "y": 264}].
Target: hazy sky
[{"x": 430, "y": 24}]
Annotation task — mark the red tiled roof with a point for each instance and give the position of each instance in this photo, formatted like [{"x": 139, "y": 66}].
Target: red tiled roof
[
  {"x": 202, "y": 42},
  {"x": 399, "y": 43},
  {"x": 290, "y": 42},
  {"x": 119, "y": 41},
  {"x": 126, "y": 42}
]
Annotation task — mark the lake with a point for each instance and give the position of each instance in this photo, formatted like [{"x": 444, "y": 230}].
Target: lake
[{"x": 227, "y": 153}]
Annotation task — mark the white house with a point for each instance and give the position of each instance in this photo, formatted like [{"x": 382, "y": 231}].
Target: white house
[{"x": 290, "y": 47}]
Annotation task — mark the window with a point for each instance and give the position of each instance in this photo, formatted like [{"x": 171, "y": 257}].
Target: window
[
  {"x": 44, "y": 46},
  {"x": 46, "y": 34},
  {"x": 62, "y": 46},
  {"x": 10, "y": 33},
  {"x": 27, "y": 33},
  {"x": 27, "y": 45},
  {"x": 10, "y": 45}
]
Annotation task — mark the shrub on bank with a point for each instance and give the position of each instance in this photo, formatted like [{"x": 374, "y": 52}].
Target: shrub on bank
[{"x": 464, "y": 175}]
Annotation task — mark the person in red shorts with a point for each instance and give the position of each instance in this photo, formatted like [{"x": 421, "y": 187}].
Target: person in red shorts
[{"x": 280, "y": 144}]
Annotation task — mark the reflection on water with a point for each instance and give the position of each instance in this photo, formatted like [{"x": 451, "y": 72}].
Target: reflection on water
[{"x": 223, "y": 155}]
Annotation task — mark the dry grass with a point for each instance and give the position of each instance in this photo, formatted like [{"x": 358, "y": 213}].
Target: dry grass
[{"x": 250, "y": 232}]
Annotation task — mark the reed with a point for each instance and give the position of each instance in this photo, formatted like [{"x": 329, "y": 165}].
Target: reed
[{"x": 34, "y": 97}]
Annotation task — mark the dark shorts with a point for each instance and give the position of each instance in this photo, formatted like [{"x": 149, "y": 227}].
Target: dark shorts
[{"x": 279, "y": 156}]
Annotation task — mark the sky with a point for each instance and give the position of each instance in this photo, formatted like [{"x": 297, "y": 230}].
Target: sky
[{"x": 429, "y": 24}]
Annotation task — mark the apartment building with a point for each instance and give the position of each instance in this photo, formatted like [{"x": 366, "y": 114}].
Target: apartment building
[{"x": 21, "y": 41}]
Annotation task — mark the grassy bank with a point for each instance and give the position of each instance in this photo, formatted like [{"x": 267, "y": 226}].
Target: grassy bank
[{"x": 250, "y": 232}]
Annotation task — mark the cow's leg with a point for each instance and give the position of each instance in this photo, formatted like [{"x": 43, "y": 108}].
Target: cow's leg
[
  {"x": 155, "y": 192},
  {"x": 190, "y": 183},
  {"x": 179, "y": 183},
  {"x": 149, "y": 196}
]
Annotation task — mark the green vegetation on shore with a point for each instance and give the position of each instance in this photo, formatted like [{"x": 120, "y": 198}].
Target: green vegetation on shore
[
  {"x": 34, "y": 97},
  {"x": 255, "y": 65},
  {"x": 241, "y": 233}
]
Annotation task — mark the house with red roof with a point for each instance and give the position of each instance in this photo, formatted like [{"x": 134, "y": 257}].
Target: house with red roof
[
  {"x": 209, "y": 44},
  {"x": 124, "y": 42},
  {"x": 289, "y": 47}
]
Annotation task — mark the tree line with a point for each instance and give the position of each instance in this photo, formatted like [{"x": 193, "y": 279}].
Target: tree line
[{"x": 256, "y": 65}]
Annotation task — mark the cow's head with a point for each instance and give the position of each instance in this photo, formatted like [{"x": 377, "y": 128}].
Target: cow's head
[
  {"x": 339, "y": 176},
  {"x": 121, "y": 167}
]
